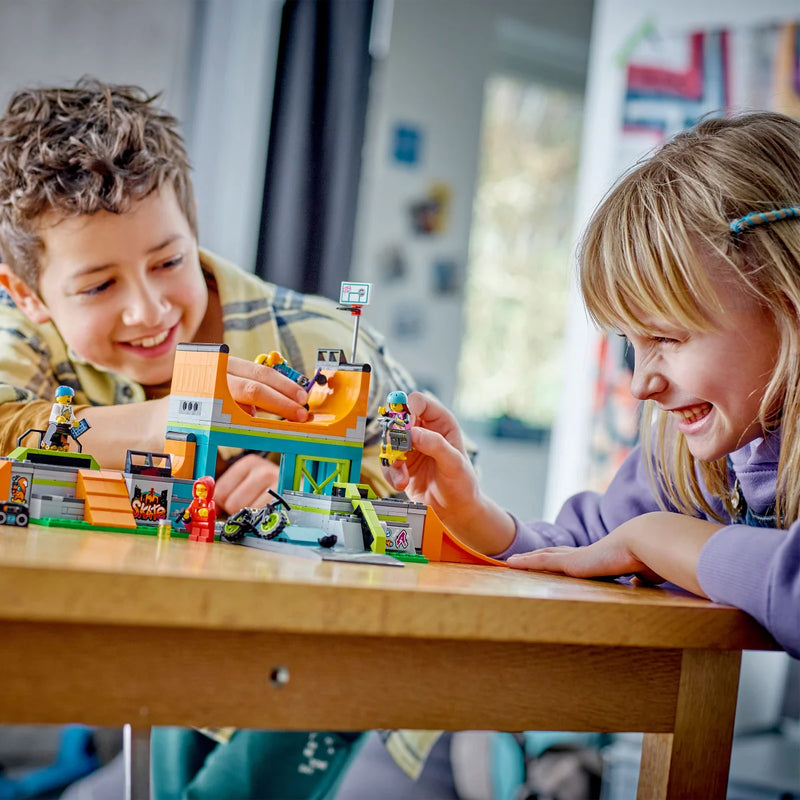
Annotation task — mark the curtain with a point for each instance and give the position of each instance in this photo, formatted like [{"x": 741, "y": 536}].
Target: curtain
[{"x": 316, "y": 136}]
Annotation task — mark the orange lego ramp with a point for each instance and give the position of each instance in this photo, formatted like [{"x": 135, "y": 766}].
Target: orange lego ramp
[
  {"x": 181, "y": 452},
  {"x": 336, "y": 399},
  {"x": 338, "y": 408},
  {"x": 105, "y": 496},
  {"x": 438, "y": 544}
]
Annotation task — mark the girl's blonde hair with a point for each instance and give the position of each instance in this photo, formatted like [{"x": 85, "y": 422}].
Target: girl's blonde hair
[{"x": 642, "y": 255}]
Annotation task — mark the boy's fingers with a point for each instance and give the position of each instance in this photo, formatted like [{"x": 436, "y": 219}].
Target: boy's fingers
[
  {"x": 249, "y": 393},
  {"x": 263, "y": 375},
  {"x": 245, "y": 483}
]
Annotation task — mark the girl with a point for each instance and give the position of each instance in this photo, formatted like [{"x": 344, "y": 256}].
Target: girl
[{"x": 694, "y": 257}]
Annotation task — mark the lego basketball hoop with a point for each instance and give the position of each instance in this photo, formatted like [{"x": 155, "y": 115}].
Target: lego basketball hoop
[{"x": 353, "y": 297}]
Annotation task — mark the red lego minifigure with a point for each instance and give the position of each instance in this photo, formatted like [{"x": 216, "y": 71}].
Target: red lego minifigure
[{"x": 201, "y": 514}]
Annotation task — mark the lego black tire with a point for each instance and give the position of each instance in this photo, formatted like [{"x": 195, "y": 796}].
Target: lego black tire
[
  {"x": 232, "y": 530},
  {"x": 272, "y": 524}
]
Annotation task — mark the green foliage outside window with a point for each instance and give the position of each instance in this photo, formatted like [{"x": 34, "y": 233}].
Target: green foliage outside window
[{"x": 521, "y": 253}]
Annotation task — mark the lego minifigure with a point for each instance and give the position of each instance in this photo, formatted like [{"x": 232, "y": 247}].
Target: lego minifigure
[
  {"x": 62, "y": 422},
  {"x": 275, "y": 360},
  {"x": 201, "y": 514},
  {"x": 395, "y": 422}
]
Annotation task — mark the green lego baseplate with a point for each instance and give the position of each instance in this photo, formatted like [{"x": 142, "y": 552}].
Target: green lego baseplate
[
  {"x": 416, "y": 558},
  {"x": 82, "y": 525}
]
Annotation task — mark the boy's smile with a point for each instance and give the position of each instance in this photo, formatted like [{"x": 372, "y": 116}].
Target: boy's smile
[{"x": 122, "y": 289}]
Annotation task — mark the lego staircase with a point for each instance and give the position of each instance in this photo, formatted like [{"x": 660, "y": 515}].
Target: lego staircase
[{"x": 105, "y": 495}]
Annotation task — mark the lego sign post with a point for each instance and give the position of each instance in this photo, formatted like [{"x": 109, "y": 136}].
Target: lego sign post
[{"x": 352, "y": 297}]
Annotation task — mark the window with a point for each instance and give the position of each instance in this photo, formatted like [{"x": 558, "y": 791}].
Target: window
[{"x": 521, "y": 253}]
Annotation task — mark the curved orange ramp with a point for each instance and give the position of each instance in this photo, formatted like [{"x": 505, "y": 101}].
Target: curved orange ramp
[
  {"x": 338, "y": 409},
  {"x": 438, "y": 544}
]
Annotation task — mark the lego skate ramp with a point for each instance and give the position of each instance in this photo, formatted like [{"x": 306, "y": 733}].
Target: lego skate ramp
[
  {"x": 438, "y": 544},
  {"x": 337, "y": 398},
  {"x": 336, "y": 408},
  {"x": 105, "y": 495}
]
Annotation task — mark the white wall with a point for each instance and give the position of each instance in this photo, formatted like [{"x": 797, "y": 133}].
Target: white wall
[
  {"x": 57, "y": 41},
  {"x": 440, "y": 53},
  {"x": 228, "y": 126},
  {"x": 615, "y": 26},
  {"x": 433, "y": 78},
  {"x": 213, "y": 61}
]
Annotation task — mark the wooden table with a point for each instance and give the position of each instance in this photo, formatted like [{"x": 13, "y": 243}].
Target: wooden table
[{"x": 111, "y": 628}]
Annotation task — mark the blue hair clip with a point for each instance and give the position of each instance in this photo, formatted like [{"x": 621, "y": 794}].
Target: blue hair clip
[{"x": 762, "y": 217}]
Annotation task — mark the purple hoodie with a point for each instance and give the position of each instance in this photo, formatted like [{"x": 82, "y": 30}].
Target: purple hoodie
[{"x": 755, "y": 569}]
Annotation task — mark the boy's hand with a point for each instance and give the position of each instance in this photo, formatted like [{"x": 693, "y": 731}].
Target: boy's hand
[
  {"x": 258, "y": 387},
  {"x": 245, "y": 483},
  {"x": 438, "y": 472}
]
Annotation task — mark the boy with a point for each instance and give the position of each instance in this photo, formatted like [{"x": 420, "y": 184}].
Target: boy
[{"x": 103, "y": 277}]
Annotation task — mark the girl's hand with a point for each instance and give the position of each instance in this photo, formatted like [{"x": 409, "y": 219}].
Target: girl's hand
[
  {"x": 608, "y": 557},
  {"x": 657, "y": 547},
  {"x": 245, "y": 483},
  {"x": 438, "y": 472},
  {"x": 258, "y": 387}
]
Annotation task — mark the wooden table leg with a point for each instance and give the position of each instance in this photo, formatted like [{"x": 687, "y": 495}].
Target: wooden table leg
[
  {"x": 136, "y": 748},
  {"x": 694, "y": 760}
]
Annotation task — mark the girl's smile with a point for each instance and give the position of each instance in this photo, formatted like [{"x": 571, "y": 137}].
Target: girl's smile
[
  {"x": 689, "y": 417},
  {"x": 711, "y": 382}
]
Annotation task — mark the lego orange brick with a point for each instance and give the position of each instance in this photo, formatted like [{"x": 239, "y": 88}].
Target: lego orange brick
[
  {"x": 182, "y": 456},
  {"x": 200, "y": 370},
  {"x": 5, "y": 479},
  {"x": 109, "y": 503},
  {"x": 99, "y": 492},
  {"x": 111, "y": 518},
  {"x": 100, "y": 481},
  {"x": 336, "y": 409},
  {"x": 432, "y": 535}
]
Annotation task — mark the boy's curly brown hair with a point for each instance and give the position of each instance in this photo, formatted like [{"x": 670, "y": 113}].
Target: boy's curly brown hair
[{"x": 80, "y": 150}]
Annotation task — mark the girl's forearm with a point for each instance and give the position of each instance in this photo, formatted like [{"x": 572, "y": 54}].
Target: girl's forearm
[
  {"x": 670, "y": 545},
  {"x": 487, "y": 527}
]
